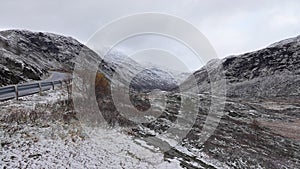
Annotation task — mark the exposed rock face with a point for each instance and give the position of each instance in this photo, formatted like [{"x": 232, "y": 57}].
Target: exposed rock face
[
  {"x": 26, "y": 55},
  {"x": 273, "y": 71}
]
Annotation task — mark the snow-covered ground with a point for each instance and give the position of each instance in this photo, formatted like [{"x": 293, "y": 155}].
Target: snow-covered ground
[
  {"x": 44, "y": 143},
  {"x": 111, "y": 150}
]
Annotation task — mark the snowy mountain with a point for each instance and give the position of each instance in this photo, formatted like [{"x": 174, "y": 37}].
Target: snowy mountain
[
  {"x": 273, "y": 71},
  {"x": 26, "y": 55},
  {"x": 142, "y": 77},
  {"x": 259, "y": 125}
]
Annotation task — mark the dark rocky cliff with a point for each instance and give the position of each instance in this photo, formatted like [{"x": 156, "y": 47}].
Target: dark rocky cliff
[
  {"x": 270, "y": 72},
  {"x": 26, "y": 55}
]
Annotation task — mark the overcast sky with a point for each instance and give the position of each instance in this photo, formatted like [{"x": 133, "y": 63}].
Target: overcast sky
[{"x": 232, "y": 26}]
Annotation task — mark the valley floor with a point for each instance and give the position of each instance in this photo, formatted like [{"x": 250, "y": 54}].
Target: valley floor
[{"x": 41, "y": 131}]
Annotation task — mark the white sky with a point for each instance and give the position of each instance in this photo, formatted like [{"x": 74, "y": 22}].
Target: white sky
[{"x": 232, "y": 26}]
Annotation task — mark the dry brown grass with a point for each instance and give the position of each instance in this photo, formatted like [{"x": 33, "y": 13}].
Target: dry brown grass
[{"x": 101, "y": 84}]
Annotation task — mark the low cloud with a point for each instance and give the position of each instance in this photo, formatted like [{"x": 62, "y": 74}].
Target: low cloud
[{"x": 232, "y": 27}]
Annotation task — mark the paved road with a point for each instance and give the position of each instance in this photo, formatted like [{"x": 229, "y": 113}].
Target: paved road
[
  {"x": 8, "y": 92},
  {"x": 56, "y": 76}
]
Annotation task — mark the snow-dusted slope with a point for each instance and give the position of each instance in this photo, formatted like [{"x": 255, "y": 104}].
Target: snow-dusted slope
[
  {"x": 260, "y": 120},
  {"x": 26, "y": 55},
  {"x": 143, "y": 76},
  {"x": 292, "y": 41},
  {"x": 273, "y": 71},
  {"x": 54, "y": 139}
]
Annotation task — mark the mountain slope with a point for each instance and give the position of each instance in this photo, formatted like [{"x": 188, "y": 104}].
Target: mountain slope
[
  {"x": 26, "y": 55},
  {"x": 260, "y": 125},
  {"x": 270, "y": 72},
  {"x": 140, "y": 77}
]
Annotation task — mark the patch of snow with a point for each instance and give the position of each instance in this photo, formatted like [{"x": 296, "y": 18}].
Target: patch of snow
[{"x": 53, "y": 146}]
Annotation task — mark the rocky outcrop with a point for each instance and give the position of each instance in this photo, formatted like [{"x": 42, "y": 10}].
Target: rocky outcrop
[
  {"x": 26, "y": 55},
  {"x": 270, "y": 72}
]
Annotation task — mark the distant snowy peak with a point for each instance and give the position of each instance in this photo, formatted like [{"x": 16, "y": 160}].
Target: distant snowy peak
[{"x": 141, "y": 76}]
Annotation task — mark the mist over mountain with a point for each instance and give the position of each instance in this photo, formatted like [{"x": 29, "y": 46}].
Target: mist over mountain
[
  {"x": 259, "y": 126},
  {"x": 143, "y": 77},
  {"x": 27, "y": 55}
]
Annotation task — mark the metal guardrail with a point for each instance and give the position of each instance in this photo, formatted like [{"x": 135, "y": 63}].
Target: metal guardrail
[{"x": 16, "y": 91}]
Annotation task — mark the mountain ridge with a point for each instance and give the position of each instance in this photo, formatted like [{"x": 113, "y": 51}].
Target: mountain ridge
[
  {"x": 252, "y": 74},
  {"x": 261, "y": 107}
]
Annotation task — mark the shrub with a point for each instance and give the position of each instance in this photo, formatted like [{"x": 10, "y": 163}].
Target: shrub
[{"x": 101, "y": 84}]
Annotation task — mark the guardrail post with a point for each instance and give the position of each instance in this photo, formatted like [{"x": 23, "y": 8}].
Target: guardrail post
[
  {"x": 17, "y": 92},
  {"x": 40, "y": 87},
  {"x": 61, "y": 83},
  {"x": 52, "y": 85}
]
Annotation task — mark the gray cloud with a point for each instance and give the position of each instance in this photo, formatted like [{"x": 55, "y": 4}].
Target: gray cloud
[{"x": 231, "y": 26}]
